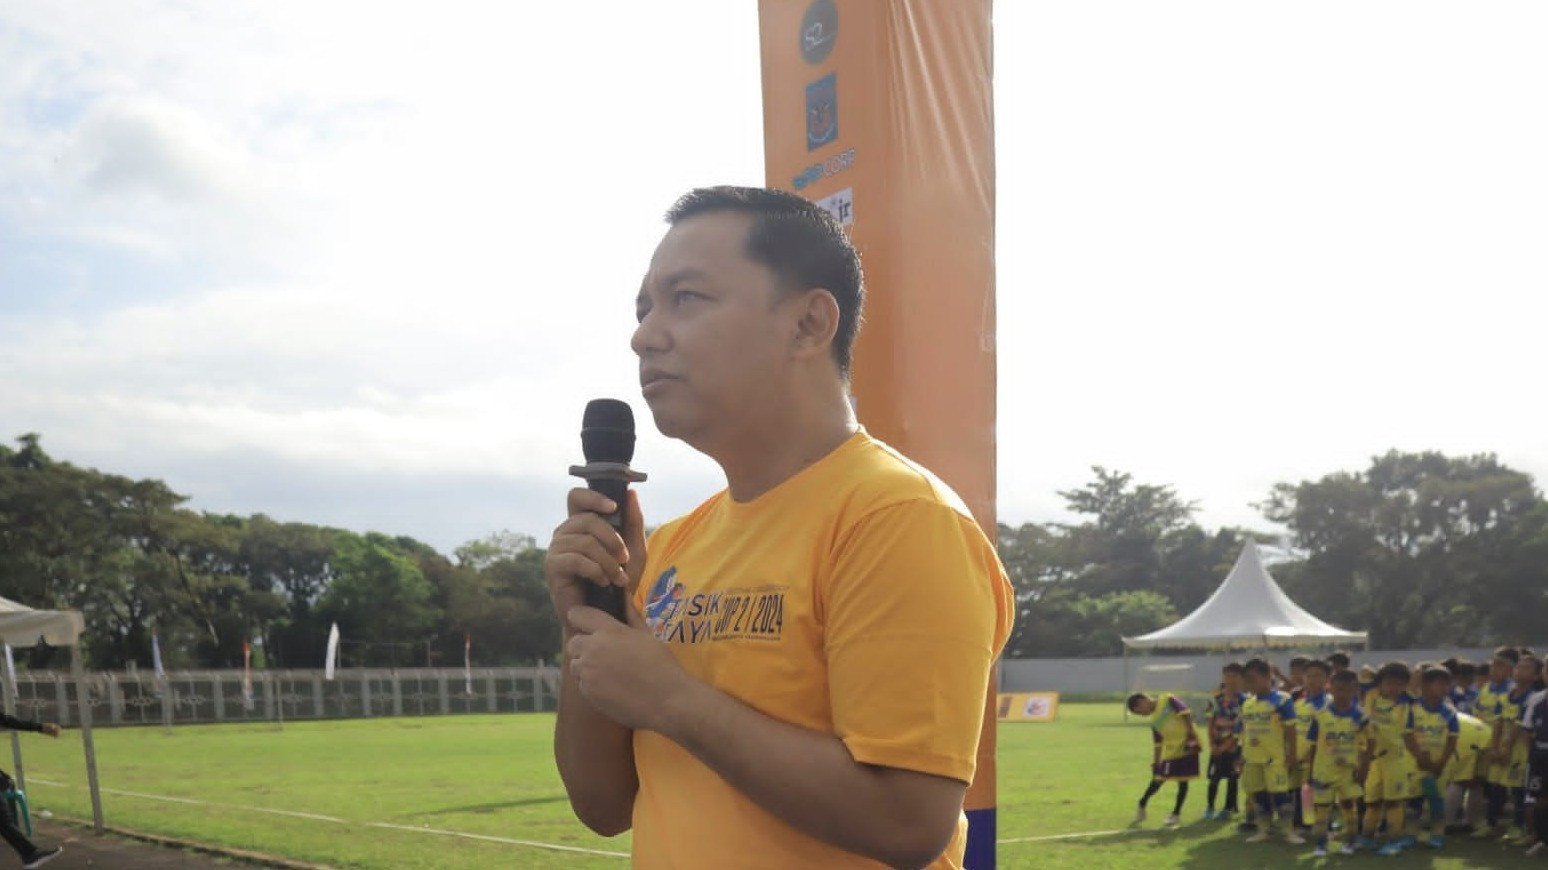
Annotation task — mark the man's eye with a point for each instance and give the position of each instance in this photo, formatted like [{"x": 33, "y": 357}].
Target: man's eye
[{"x": 682, "y": 296}]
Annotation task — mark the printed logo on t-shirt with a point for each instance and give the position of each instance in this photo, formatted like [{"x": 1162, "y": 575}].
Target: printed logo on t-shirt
[{"x": 753, "y": 613}]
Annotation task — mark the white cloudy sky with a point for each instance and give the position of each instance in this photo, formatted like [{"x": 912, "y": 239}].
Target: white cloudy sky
[{"x": 363, "y": 263}]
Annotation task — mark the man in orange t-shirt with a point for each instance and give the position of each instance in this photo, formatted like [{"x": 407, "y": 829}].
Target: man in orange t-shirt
[{"x": 802, "y": 681}]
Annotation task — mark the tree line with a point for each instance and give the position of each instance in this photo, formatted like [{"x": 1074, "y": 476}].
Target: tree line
[{"x": 1419, "y": 549}]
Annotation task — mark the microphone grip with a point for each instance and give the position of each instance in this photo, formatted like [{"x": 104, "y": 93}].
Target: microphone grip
[{"x": 611, "y": 600}]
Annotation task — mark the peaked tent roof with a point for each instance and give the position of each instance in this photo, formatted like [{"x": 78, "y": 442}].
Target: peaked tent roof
[
  {"x": 21, "y": 626},
  {"x": 1248, "y": 610}
]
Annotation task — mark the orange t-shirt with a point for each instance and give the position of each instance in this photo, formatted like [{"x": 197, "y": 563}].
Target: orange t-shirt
[{"x": 857, "y": 598}]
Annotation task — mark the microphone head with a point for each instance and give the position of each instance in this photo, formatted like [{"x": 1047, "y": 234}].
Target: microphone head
[{"x": 607, "y": 431}]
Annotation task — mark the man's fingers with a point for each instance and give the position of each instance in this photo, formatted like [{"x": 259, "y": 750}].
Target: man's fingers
[
  {"x": 583, "y": 500},
  {"x": 596, "y": 562}
]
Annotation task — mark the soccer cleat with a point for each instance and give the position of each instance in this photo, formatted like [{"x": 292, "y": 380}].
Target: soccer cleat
[
  {"x": 1223, "y": 816},
  {"x": 1367, "y": 844},
  {"x": 1435, "y": 841},
  {"x": 1259, "y": 837},
  {"x": 41, "y": 857},
  {"x": 1294, "y": 838},
  {"x": 1321, "y": 851},
  {"x": 1209, "y": 815},
  {"x": 1139, "y": 816},
  {"x": 1538, "y": 848},
  {"x": 1349, "y": 848},
  {"x": 1393, "y": 848},
  {"x": 1172, "y": 821}
]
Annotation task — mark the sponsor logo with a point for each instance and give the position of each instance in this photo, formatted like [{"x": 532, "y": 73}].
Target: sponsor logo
[
  {"x": 841, "y": 205},
  {"x": 676, "y": 616},
  {"x": 818, "y": 171},
  {"x": 819, "y": 30},
  {"x": 822, "y": 112}
]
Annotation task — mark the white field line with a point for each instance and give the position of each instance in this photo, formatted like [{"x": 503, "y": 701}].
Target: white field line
[
  {"x": 466, "y": 835},
  {"x": 1059, "y": 837}
]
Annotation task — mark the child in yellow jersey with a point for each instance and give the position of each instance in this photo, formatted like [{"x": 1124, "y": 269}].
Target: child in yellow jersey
[
  {"x": 1509, "y": 773},
  {"x": 1433, "y": 730},
  {"x": 1312, "y": 697},
  {"x": 1335, "y": 758},
  {"x": 1176, "y": 749},
  {"x": 1267, "y": 736},
  {"x": 1387, "y": 783},
  {"x": 1499, "y": 684}
]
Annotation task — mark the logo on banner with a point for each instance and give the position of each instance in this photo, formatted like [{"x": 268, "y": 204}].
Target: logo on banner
[
  {"x": 841, "y": 205},
  {"x": 822, "y": 111},
  {"x": 818, "y": 171},
  {"x": 819, "y": 30}
]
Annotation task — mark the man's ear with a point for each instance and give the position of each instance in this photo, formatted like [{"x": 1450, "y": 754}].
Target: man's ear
[{"x": 816, "y": 324}]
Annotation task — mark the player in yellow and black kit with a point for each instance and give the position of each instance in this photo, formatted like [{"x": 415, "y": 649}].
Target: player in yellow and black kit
[
  {"x": 1334, "y": 756},
  {"x": 1177, "y": 748},
  {"x": 1499, "y": 684},
  {"x": 1388, "y": 784},
  {"x": 1267, "y": 736},
  {"x": 1508, "y": 775},
  {"x": 1311, "y": 697}
]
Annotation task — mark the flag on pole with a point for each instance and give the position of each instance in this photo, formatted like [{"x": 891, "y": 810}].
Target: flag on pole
[
  {"x": 467, "y": 660},
  {"x": 10, "y": 670},
  {"x": 161, "y": 673},
  {"x": 247, "y": 675},
  {"x": 333, "y": 652}
]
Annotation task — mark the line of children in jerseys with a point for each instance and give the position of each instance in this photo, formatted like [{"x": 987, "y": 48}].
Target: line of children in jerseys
[{"x": 1384, "y": 749}]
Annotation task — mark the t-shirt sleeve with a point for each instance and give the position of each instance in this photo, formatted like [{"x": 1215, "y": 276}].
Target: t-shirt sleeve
[
  {"x": 1287, "y": 710},
  {"x": 1178, "y": 705},
  {"x": 915, "y": 611},
  {"x": 1312, "y": 731}
]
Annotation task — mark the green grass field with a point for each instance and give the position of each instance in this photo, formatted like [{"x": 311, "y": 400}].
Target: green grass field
[{"x": 390, "y": 782}]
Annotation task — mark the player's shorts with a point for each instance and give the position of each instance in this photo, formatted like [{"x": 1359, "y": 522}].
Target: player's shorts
[
  {"x": 1300, "y": 775},
  {"x": 1461, "y": 768},
  {"x": 1222, "y": 765},
  {"x": 1511, "y": 774},
  {"x": 1391, "y": 780},
  {"x": 1537, "y": 775},
  {"x": 1180, "y": 769},
  {"x": 1270, "y": 776},
  {"x": 1337, "y": 790}
]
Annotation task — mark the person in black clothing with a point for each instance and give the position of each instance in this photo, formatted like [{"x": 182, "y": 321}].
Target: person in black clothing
[{"x": 30, "y": 854}]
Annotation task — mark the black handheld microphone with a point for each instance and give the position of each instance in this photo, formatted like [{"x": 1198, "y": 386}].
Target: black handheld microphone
[{"x": 607, "y": 442}]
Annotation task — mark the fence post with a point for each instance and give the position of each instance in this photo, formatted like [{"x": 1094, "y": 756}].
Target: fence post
[
  {"x": 220, "y": 697},
  {"x": 397, "y": 694},
  {"x": 365, "y": 694},
  {"x": 317, "y": 697},
  {"x": 445, "y": 699},
  {"x": 494, "y": 691}
]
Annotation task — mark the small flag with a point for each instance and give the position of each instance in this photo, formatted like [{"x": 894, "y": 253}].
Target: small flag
[
  {"x": 333, "y": 652},
  {"x": 10, "y": 670},
  {"x": 467, "y": 660},
  {"x": 161, "y": 673},
  {"x": 247, "y": 675}
]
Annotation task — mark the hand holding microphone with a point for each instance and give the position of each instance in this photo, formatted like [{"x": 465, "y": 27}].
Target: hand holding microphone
[{"x": 598, "y": 553}]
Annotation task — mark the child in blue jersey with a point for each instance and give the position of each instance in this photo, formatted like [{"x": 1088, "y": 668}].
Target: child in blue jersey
[
  {"x": 1433, "y": 731},
  {"x": 1496, "y": 687},
  {"x": 1464, "y": 692},
  {"x": 1507, "y": 776},
  {"x": 1336, "y": 759},
  {"x": 1225, "y": 755},
  {"x": 1268, "y": 738}
]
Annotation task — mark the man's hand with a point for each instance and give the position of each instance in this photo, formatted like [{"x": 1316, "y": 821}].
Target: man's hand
[
  {"x": 623, "y": 670},
  {"x": 51, "y": 729},
  {"x": 585, "y": 549}
]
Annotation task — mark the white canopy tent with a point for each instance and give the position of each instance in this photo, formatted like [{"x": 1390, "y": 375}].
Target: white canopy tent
[
  {"x": 1249, "y": 611},
  {"x": 22, "y": 626}
]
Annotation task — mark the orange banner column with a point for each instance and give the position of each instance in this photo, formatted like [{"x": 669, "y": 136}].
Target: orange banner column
[{"x": 882, "y": 110}]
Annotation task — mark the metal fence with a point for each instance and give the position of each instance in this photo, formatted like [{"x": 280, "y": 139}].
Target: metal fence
[{"x": 187, "y": 697}]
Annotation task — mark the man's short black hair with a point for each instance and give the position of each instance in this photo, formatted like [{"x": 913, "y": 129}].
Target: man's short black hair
[
  {"x": 1135, "y": 699},
  {"x": 1394, "y": 671},
  {"x": 1346, "y": 677},
  {"x": 1451, "y": 663},
  {"x": 1508, "y": 653},
  {"x": 1299, "y": 662},
  {"x": 1465, "y": 669},
  {"x": 1320, "y": 665},
  {"x": 1257, "y": 666},
  {"x": 1233, "y": 668},
  {"x": 1434, "y": 675},
  {"x": 804, "y": 245},
  {"x": 1339, "y": 660}
]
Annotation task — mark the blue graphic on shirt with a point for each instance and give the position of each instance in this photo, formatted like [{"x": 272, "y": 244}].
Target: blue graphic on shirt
[{"x": 663, "y": 601}]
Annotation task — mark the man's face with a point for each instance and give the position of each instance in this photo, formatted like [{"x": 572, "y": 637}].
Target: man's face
[
  {"x": 1434, "y": 691},
  {"x": 1256, "y": 682},
  {"x": 713, "y": 336},
  {"x": 1145, "y": 706},
  {"x": 1392, "y": 687},
  {"x": 1316, "y": 681},
  {"x": 1298, "y": 674},
  {"x": 1232, "y": 681},
  {"x": 1343, "y": 692}
]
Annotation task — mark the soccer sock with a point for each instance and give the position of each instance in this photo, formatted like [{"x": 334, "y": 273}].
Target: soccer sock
[
  {"x": 1182, "y": 795},
  {"x": 1436, "y": 802},
  {"x": 1518, "y": 798},
  {"x": 1214, "y": 791},
  {"x": 1496, "y": 804},
  {"x": 1372, "y": 819},
  {"x": 1150, "y": 792},
  {"x": 1284, "y": 803},
  {"x": 1451, "y": 813},
  {"x": 1265, "y": 807},
  {"x": 1324, "y": 814},
  {"x": 1300, "y": 808},
  {"x": 1231, "y": 787},
  {"x": 1396, "y": 816}
]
